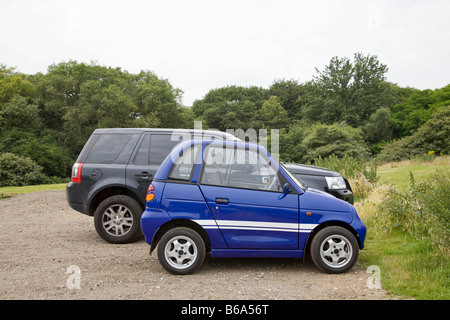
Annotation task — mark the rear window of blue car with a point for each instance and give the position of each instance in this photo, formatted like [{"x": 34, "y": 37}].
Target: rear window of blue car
[{"x": 184, "y": 165}]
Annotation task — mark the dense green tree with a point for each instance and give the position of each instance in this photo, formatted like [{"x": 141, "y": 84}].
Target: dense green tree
[
  {"x": 289, "y": 94},
  {"x": 158, "y": 99},
  {"x": 348, "y": 91},
  {"x": 432, "y": 136},
  {"x": 18, "y": 113},
  {"x": 338, "y": 139},
  {"x": 231, "y": 107},
  {"x": 380, "y": 126},
  {"x": 271, "y": 115},
  {"x": 13, "y": 83},
  {"x": 304, "y": 143},
  {"x": 76, "y": 98},
  {"x": 420, "y": 106}
]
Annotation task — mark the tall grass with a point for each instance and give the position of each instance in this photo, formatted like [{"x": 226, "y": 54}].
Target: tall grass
[
  {"x": 408, "y": 236},
  {"x": 422, "y": 210}
]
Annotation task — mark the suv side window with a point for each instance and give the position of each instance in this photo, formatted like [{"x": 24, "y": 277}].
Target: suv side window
[
  {"x": 143, "y": 154},
  {"x": 239, "y": 168},
  {"x": 160, "y": 146},
  {"x": 107, "y": 148}
]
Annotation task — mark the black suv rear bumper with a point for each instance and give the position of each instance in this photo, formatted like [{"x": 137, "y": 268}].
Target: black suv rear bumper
[{"x": 75, "y": 198}]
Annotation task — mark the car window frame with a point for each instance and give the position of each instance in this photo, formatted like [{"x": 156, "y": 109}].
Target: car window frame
[
  {"x": 183, "y": 181},
  {"x": 280, "y": 176}
]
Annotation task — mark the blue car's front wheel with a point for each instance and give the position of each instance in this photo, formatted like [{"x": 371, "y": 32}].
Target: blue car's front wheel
[
  {"x": 334, "y": 249},
  {"x": 181, "y": 250}
]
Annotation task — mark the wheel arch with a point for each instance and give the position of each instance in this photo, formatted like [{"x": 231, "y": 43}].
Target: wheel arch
[
  {"x": 180, "y": 222},
  {"x": 323, "y": 225},
  {"x": 110, "y": 191}
]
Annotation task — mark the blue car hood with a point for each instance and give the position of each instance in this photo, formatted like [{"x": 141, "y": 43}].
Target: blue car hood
[{"x": 325, "y": 205}]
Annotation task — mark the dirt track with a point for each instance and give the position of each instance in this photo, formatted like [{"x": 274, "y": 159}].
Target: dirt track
[{"x": 42, "y": 237}]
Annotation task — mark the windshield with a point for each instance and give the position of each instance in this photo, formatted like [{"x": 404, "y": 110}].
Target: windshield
[{"x": 300, "y": 183}]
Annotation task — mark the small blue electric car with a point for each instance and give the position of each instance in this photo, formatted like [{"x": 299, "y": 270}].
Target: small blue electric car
[{"x": 232, "y": 199}]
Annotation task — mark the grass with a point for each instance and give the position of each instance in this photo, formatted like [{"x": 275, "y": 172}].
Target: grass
[
  {"x": 398, "y": 172},
  {"x": 6, "y": 192},
  {"x": 410, "y": 267},
  {"x": 413, "y": 264}
]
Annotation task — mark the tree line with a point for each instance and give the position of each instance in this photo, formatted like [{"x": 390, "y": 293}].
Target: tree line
[{"x": 347, "y": 108}]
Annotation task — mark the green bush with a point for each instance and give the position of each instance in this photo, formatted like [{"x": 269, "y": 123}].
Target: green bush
[
  {"x": 305, "y": 142},
  {"x": 19, "y": 171},
  {"x": 431, "y": 136},
  {"x": 422, "y": 210}
]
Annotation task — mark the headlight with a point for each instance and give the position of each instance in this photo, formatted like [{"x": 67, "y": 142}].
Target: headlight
[{"x": 336, "y": 183}]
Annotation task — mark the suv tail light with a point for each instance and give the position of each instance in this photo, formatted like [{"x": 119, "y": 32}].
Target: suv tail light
[{"x": 76, "y": 172}]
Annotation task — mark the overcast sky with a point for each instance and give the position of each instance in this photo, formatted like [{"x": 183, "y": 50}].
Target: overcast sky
[{"x": 200, "y": 45}]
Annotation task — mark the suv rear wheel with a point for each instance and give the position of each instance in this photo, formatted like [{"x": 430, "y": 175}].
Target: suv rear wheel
[{"x": 117, "y": 219}]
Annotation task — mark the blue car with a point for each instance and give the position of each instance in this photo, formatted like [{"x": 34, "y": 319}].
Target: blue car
[{"x": 232, "y": 199}]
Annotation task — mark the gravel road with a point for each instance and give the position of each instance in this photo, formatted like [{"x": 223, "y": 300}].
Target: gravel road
[{"x": 44, "y": 243}]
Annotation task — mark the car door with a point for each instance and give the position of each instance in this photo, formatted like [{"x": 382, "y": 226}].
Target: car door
[
  {"x": 152, "y": 149},
  {"x": 243, "y": 191}
]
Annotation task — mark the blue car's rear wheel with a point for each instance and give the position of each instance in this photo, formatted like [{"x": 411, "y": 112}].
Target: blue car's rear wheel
[
  {"x": 181, "y": 250},
  {"x": 334, "y": 249}
]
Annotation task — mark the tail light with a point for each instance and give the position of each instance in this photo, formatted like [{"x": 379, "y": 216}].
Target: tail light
[
  {"x": 150, "y": 195},
  {"x": 76, "y": 172}
]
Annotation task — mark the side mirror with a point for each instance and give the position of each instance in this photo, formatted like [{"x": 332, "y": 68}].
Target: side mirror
[{"x": 286, "y": 188}]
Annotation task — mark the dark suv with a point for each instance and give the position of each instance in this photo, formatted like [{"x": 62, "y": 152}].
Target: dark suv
[
  {"x": 113, "y": 171},
  {"x": 322, "y": 179}
]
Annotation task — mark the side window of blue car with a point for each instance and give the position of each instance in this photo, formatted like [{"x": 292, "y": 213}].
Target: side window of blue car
[
  {"x": 184, "y": 165},
  {"x": 239, "y": 168}
]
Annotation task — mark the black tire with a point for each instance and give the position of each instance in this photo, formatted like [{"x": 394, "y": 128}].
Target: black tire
[
  {"x": 181, "y": 251},
  {"x": 118, "y": 219},
  {"x": 334, "y": 250}
]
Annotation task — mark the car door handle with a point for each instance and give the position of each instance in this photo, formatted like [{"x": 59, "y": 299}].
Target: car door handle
[
  {"x": 143, "y": 175},
  {"x": 221, "y": 201}
]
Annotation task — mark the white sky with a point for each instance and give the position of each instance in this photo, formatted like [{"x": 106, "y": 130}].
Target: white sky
[{"x": 200, "y": 45}]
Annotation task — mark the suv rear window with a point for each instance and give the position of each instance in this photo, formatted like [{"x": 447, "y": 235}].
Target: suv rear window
[{"x": 107, "y": 148}]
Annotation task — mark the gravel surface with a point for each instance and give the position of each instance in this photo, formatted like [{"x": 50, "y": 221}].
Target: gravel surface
[{"x": 44, "y": 242}]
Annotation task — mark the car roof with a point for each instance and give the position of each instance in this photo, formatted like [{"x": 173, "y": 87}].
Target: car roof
[
  {"x": 310, "y": 170},
  {"x": 165, "y": 130}
]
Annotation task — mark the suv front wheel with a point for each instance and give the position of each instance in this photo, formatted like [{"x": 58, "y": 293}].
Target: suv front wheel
[{"x": 117, "y": 219}]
